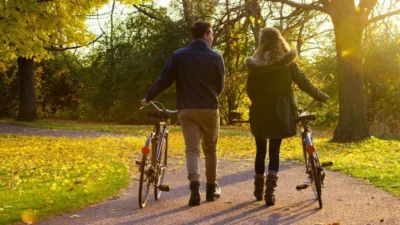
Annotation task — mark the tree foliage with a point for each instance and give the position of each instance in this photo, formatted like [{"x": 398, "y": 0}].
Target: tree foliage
[
  {"x": 382, "y": 78},
  {"x": 349, "y": 19},
  {"x": 31, "y": 29}
]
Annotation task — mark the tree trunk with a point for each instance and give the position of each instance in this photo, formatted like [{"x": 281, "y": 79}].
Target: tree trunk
[
  {"x": 253, "y": 9},
  {"x": 27, "y": 99},
  {"x": 353, "y": 120},
  {"x": 187, "y": 13}
]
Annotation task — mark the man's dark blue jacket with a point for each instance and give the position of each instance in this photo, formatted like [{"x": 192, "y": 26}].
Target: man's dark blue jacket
[{"x": 199, "y": 73}]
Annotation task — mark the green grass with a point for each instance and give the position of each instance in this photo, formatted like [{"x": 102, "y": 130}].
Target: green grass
[
  {"x": 40, "y": 162},
  {"x": 72, "y": 125},
  {"x": 42, "y": 176},
  {"x": 375, "y": 160}
]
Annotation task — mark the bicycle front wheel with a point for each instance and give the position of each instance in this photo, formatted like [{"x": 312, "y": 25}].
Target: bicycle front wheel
[
  {"x": 161, "y": 167},
  {"x": 145, "y": 181},
  {"x": 316, "y": 178}
]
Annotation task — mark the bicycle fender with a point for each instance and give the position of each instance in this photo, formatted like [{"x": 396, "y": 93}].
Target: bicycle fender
[
  {"x": 308, "y": 140},
  {"x": 148, "y": 140}
]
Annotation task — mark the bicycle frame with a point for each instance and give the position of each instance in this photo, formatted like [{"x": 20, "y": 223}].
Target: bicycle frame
[
  {"x": 153, "y": 167},
  {"x": 157, "y": 142},
  {"x": 307, "y": 143},
  {"x": 311, "y": 158},
  {"x": 161, "y": 129},
  {"x": 306, "y": 132}
]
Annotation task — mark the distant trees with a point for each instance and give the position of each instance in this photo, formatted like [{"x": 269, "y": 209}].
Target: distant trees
[{"x": 339, "y": 49}]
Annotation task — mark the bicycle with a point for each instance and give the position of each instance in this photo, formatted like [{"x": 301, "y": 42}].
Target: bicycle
[
  {"x": 314, "y": 168},
  {"x": 154, "y": 155}
]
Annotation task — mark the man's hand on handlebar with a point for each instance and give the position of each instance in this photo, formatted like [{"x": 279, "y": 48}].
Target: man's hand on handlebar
[{"x": 143, "y": 102}]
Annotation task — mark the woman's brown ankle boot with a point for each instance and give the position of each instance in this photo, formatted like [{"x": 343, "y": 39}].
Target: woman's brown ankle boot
[
  {"x": 269, "y": 192},
  {"x": 259, "y": 184}
]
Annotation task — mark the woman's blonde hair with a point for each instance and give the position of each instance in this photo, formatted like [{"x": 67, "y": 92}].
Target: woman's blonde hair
[{"x": 272, "y": 46}]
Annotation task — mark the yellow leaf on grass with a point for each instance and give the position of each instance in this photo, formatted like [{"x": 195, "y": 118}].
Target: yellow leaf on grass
[{"x": 29, "y": 216}]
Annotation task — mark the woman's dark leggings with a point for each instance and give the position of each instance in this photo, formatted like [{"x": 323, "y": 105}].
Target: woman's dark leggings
[{"x": 274, "y": 148}]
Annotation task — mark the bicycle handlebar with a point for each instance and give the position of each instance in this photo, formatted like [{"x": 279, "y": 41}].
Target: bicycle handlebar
[
  {"x": 307, "y": 107},
  {"x": 161, "y": 110},
  {"x": 301, "y": 110}
]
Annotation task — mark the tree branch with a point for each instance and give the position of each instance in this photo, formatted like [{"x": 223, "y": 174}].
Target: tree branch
[
  {"x": 381, "y": 17},
  {"x": 147, "y": 13},
  {"x": 98, "y": 22},
  {"x": 366, "y": 6},
  {"x": 55, "y": 49},
  {"x": 303, "y": 6},
  {"x": 369, "y": 4}
]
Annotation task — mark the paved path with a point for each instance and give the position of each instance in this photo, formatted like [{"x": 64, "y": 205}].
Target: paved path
[{"x": 347, "y": 200}]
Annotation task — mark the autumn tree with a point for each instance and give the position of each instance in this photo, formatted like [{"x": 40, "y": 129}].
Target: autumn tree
[
  {"x": 349, "y": 20},
  {"x": 31, "y": 29}
]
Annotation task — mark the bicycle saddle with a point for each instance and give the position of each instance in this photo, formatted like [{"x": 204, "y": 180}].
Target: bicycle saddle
[
  {"x": 158, "y": 115},
  {"x": 306, "y": 117}
]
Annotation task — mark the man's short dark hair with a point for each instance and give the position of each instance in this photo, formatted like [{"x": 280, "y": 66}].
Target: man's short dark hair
[{"x": 200, "y": 28}]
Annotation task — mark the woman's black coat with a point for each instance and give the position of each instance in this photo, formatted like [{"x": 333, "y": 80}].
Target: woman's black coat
[{"x": 269, "y": 87}]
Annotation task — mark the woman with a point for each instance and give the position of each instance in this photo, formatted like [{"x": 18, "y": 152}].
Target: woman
[{"x": 272, "y": 69}]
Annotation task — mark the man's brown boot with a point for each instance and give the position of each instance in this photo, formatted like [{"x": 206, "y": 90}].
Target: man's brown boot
[
  {"x": 195, "y": 193},
  {"x": 213, "y": 192}
]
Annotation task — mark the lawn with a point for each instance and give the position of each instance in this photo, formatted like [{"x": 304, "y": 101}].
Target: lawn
[{"x": 41, "y": 176}]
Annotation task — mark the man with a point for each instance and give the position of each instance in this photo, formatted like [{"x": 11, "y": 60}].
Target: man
[{"x": 199, "y": 74}]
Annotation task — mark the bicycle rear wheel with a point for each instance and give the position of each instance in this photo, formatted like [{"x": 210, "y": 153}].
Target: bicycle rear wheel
[
  {"x": 145, "y": 181},
  {"x": 161, "y": 167},
  {"x": 316, "y": 178}
]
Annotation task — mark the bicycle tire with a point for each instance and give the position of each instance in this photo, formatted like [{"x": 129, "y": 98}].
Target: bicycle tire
[
  {"x": 161, "y": 167},
  {"x": 316, "y": 176},
  {"x": 144, "y": 183}
]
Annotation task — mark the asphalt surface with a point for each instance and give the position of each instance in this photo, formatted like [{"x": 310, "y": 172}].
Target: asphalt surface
[{"x": 347, "y": 200}]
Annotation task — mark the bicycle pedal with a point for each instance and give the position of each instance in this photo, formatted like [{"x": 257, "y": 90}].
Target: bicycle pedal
[
  {"x": 138, "y": 163},
  {"x": 163, "y": 188},
  {"x": 324, "y": 164},
  {"x": 302, "y": 186}
]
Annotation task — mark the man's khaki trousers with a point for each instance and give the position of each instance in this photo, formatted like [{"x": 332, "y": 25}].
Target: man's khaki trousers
[{"x": 200, "y": 126}]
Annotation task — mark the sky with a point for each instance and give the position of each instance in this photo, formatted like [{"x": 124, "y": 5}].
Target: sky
[{"x": 95, "y": 25}]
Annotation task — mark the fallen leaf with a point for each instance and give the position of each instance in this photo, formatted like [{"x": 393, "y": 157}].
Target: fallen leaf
[
  {"x": 113, "y": 198},
  {"x": 29, "y": 216}
]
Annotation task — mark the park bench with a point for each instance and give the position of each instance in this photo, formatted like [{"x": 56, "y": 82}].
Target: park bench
[{"x": 236, "y": 117}]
